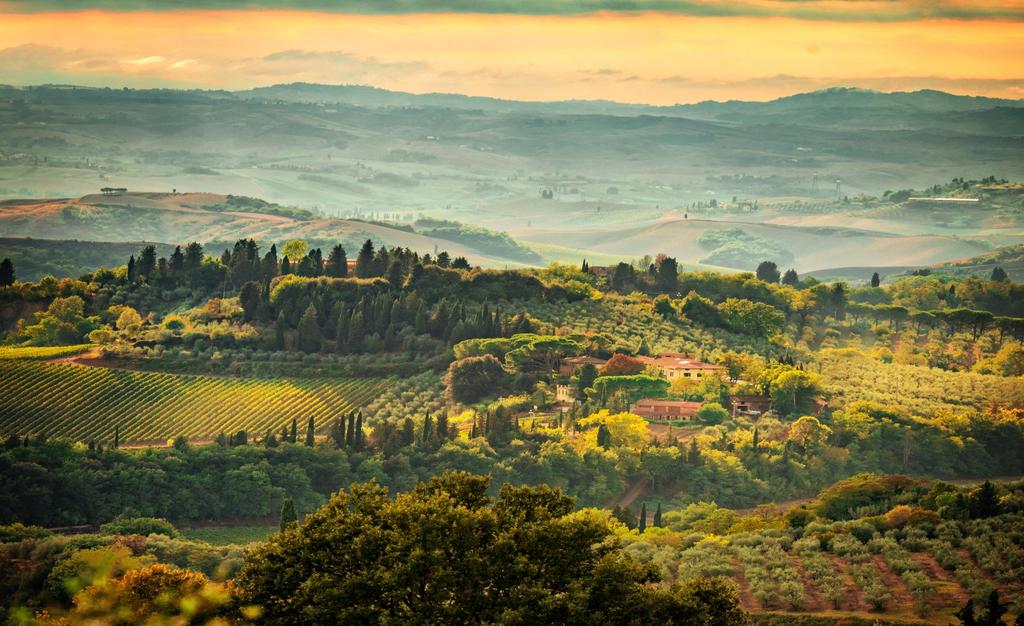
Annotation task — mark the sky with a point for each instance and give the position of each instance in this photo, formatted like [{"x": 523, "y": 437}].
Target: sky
[{"x": 650, "y": 51}]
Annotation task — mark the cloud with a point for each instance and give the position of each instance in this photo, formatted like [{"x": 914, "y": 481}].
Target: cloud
[
  {"x": 844, "y": 10},
  {"x": 146, "y": 60}
]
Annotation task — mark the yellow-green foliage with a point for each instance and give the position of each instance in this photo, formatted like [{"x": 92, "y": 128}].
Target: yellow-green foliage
[
  {"x": 920, "y": 390},
  {"x": 41, "y": 352},
  {"x": 83, "y": 403}
]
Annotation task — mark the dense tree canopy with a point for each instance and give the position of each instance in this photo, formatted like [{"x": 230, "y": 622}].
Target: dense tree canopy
[{"x": 447, "y": 553}]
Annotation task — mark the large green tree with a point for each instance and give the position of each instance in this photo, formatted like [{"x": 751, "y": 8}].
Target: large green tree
[{"x": 446, "y": 553}]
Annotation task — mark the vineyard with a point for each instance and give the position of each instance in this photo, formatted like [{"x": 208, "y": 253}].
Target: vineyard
[
  {"x": 41, "y": 352},
  {"x": 918, "y": 389},
  {"x": 907, "y": 573},
  {"x": 87, "y": 403}
]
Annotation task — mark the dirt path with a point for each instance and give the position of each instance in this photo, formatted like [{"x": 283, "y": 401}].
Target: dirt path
[
  {"x": 901, "y": 598},
  {"x": 949, "y": 589},
  {"x": 980, "y": 571},
  {"x": 782, "y": 506},
  {"x": 747, "y": 599},
  {"x": 853, "y": 601},
  {"x": 813, "y": 600},
  {"x": 628, "y": 497}
]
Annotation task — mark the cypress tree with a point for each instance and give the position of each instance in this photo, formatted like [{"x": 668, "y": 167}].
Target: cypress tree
[
  {"x": 693, "y": 457},
  {"x": 442, "y": 426},
  {"x": 288, "y": 514},
  {"x": 359, "y": 432},
  {"x": 350, "y": 435},
  {"x": 310, "y": 339},
  {"x": 364, "y": 262},
  {"x": 657, "y": 516},
  {"x": 6, "y": 273},
  {"x": 279, "y": 332},
  {"x": 994, "y": 610},
  {"x": 132, "y": 272},
  {"x": 642, "y": 524},
  {"x": 310, "y": 433},
  {"x": 356, "y": 331},
  {"x": 341, "y": 330},
  {"x": 117, "y": 436},
  {"x": 293, "y": 436},
  {"x": 420, "y": 322},
  {"x": 876, "y": 280},
  {"x": 428, "y": 424},
  {"x": 986, "y": 501},
  {"x": 966, "y": 614}
]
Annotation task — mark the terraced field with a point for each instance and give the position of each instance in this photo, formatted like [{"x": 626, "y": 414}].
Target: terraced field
[{"x": 84, "y": 403}]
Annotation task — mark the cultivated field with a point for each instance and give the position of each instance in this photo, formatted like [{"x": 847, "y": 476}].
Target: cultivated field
[{"x": 88, "y": 403}]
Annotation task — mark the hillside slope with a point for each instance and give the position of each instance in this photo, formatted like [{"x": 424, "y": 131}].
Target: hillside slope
[{"x": 179, "y": 218}]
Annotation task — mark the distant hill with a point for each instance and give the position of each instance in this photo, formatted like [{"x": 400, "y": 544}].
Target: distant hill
[
  {"x": 35, "y": 258},
  {"x": 177, "y": 218},
  {"x": 346, "y": 148},
  {"x": 1010, "y": 258}
]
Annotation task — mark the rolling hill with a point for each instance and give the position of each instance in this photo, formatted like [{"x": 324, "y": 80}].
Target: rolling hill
[{"x": 177, "y": 218}]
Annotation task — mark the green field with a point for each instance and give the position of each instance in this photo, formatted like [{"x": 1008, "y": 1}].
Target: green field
[
  {"x": 82, "y": 403},
  {"x": 229, "y": 535}
]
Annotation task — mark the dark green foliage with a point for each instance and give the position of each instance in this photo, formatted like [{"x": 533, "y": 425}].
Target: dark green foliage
[
  {"x": 364, "y": 262},
  {"x": 998, "y": 273},
  {"x": 768, "y": 271},
  {"x": 124, "y": 525},
  {"x": 657, "y": 516},
  {"x": 700, "y": 310},
  {"x": 985, "y": 501},
  {"x": 791, "y": 278},
  {"x": 994, "y": 610},
  {"x": 875, "y": 280},
  {"x": 667, "y": 277},
  {"x": 310, "y": 339},
  {"x": 469, "y": 379},
  {"x": 7, "y": 276},
  {"x": 513, "y": 559},
  {"x": 585, "y": 378},
  {"x": 625, "y": 516},
  {"x": 310, "y": 433},
  {"x": 642, "y": 522},
  {"x": 289, "y": 515},
  {"x": 966, "y": 614}
]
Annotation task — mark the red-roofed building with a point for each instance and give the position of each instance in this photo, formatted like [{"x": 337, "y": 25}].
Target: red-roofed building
[
  {"x": 677, "y": 365},
  {"x": 570, "y": 365},
  {"x": 665, "y": 410},
  {"x": 750, "y": 405}
]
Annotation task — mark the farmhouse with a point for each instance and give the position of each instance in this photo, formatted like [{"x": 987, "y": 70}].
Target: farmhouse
[
  {"x": 678, "y": 365},
  {"x": 570, "y": 365},
  {"x": 666, "y": 409},
  {"x": 751, "y": 406}
]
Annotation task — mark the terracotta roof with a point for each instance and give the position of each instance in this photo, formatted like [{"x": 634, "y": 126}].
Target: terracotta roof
[
  {"x": 593, "y": 360},
  {"x": 678, "y": 361},
  {"x": 649, "y": 403}
]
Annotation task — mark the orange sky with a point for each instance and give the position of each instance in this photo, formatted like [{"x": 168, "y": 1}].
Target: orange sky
[{"x": 650, "y": 57}]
